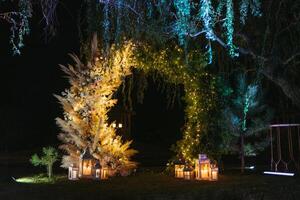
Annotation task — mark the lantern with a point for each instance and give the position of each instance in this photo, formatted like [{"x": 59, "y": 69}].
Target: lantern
[
  {"x": 97, "y": 171},
  {"x": 87, "y": 161},
  {"x": 73, "y": 173},
  {"x": 179, "y": 167},
  {"x": 188, "y": 173},
  {"x": 104, "y": 173},
  {"x": 204, "y": 171},
  {"x": 214, "y": 172},
  {"x": 197, "y": 169}
]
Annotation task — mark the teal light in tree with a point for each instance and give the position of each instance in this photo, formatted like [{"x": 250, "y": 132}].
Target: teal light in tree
[
  {"x": 229, "y": 27},
  {"x": 206, "y": 15},
  {"x": 253, "y": 5},
  {"x": 246, "y": 118},
  {"x": 220, "y": 7},
  {"x": 183, "y": 13},
  {"x": 159, "y": 19},
  {"x": 149, "y": 9},
  {"x": 244, "y": 9},
  {"x": 19, "y": 23}
]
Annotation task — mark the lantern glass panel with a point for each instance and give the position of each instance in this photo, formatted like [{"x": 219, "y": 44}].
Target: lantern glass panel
[
  {"x": 74, "y": 174},
  {"x": 104, "y": 173},
  {"x": 188, "y": 175},
  {"x": 87, "y": 167},
  {"x": 70, "y": 173},
  {"x": 214, "y": 173},
  {"x": 179, "y": 171},
  {"x": 205, "y": 171},
  {"x": 197, "y": 169}
]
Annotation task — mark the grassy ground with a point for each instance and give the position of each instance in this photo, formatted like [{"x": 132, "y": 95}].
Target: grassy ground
[
  {"x": 146, "y": 184},
  {"x": 156, "y": 186}
]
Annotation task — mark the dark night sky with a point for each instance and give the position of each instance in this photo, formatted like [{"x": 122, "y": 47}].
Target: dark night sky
[{"x": 28, "y": 82}]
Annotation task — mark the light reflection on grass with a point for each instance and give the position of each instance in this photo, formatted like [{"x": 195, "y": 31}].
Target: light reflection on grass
[{"x": 37, "y": 179}]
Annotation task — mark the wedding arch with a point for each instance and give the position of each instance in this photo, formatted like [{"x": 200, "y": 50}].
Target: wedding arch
[{"x": 89, "y": 99}]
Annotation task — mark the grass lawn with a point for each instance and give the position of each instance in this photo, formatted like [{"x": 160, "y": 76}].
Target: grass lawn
[
  {"x": 154, "y": 185},
  {"x": 147, "y": 183}
]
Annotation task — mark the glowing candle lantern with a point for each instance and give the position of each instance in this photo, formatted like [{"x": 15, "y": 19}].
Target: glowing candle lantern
[
  {"x": 188, "y": 173},
  {"x": 104, "y": 173},
  {"x": 204, "y": 167},
  {"x": 87, "y": 161},
  {"x": 120, "y": 125},
  {"x": 214, "y": 173},
  {"x": 179, "y": 167}
]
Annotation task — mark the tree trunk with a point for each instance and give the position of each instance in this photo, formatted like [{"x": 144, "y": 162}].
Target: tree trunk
[
  {"x": 242, "y": 153},
  {"x": 49, "y": 169}
]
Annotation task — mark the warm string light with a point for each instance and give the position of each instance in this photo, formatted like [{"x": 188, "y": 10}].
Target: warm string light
[
  {"x": 86, "y": 105},
  {"x": 200, "y": 91}
]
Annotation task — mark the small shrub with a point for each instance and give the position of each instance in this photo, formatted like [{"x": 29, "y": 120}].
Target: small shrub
[{"x": 49, "y": 157}]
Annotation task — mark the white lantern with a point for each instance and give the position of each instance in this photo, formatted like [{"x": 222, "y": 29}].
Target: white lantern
[
  {"x": 120, "y": 125},
  {"x": 203, "y": 170},
  {"x": 98, "y": 173},
  {"x": 214, "y": 172},
  {"x": 73, "y": 173}
]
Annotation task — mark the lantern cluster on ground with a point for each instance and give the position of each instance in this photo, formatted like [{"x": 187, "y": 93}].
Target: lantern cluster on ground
[
  {"x": 89, "y": 167},
  {"x": 202, "y": 169}
]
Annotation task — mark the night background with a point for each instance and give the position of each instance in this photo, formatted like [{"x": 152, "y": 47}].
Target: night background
[{"x": 28, "y": 108}]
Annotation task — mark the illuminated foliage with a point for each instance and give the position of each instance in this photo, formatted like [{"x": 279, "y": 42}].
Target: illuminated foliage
[
  {"x": 206, "y": 15},
  {"x": 19, "y": 24},
  {"x": 87, "y": 102},
  {"x": 184, "y": 19},
  {"x": 245, "y": 5},
  {"x": 201, "y": 95},
  {"x": 159, "y": 19},
  {"x": 49, "y": 157},
  {"x": 182, "y": 27},
  {"x": 246, "y": 118},
  {"x": 86, "y": 105},
  {"x": 229, "y": 27}
]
